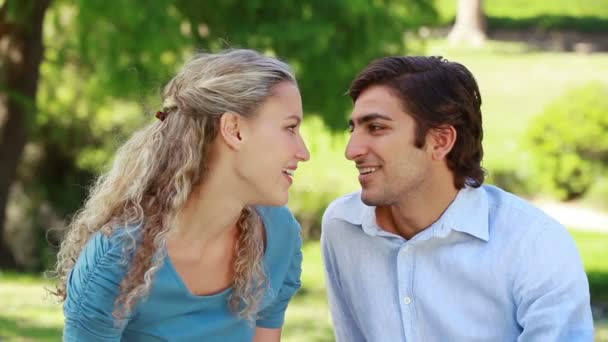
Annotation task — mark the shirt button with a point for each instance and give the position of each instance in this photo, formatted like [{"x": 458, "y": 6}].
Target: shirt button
[{"x": 407, "y": 300}]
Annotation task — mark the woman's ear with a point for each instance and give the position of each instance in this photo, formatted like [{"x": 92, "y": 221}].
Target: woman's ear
[
  {"x": 442, "y": 140},
  {"x": 231, "y": 125}
]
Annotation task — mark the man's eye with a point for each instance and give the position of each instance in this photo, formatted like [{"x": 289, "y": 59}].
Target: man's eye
[
  {"x": 351, "y": 128},
  {"x": 292, "y": 128},
  {"x": 375, "y": 127}
]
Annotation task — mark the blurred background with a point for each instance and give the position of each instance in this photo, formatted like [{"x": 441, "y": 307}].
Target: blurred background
[{"x": 78, "y": 77}]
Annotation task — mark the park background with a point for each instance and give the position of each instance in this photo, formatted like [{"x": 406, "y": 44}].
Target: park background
[{"x": 78, "y": 76}]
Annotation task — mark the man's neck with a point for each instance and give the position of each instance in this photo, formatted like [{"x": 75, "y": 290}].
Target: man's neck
[{"x": 413, "y": 214}]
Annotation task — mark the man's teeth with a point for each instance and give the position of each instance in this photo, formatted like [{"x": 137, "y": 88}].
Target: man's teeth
[
  {"x": 289, "y": 171},
  {"x": 366, "y": 170}
]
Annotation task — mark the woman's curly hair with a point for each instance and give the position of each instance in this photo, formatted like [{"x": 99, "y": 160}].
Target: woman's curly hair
[{"x": 155, "y": 171}]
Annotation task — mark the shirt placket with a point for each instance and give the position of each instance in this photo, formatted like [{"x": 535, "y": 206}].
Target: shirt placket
[{"x": 405, "y": 275}]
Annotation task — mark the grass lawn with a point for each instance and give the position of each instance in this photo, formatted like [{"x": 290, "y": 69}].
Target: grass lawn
[
  {"x": 26, "y": 316},
  {"x": 585, "y": 15},
  {"x": 519, "y": 9},
  {"x": 594, "y": 251}
]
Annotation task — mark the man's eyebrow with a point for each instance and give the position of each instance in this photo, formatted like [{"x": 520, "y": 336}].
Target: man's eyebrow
[{"x": 369, "y": 117}]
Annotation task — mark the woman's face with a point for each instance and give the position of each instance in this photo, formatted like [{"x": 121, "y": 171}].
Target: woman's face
[{"x": 275, "y": 146}]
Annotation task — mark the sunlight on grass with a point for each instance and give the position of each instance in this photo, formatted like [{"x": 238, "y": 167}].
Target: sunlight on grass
[
  {"x": 593, "y": 247},
  {"x": 26, "y": 314},
  {"x": 308, "y": 317}
]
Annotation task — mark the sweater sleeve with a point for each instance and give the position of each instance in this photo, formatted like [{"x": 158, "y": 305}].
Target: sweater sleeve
[
  {"x": 92, "y": 288},
  {"x": 273, "y": 316}
]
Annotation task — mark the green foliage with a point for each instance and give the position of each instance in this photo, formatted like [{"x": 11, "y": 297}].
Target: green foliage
[
  {"x": 511, "y": 179},
  {"x": 597, "y": 195},
  {"x": 551, "y": 22},
  {"x": 126, "y": 45},
  {"x": 327, "y": 42},
  {"x": 569, "y": 141},
  {"x": 104, "y": 61}
]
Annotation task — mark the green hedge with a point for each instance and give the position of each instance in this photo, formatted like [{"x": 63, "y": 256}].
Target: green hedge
[{"x": 569, "y": 141}]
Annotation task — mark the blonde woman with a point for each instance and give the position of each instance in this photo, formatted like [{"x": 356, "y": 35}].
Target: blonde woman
[{"x": 185, "y": 239}]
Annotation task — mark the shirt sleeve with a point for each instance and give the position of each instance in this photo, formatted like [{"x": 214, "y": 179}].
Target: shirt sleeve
[
  {"x": 551, "y": 290},
  {"x": 273, "y": 316},
  {"x": 345, "y": 326},
  {"x": 92, "y": 288}
]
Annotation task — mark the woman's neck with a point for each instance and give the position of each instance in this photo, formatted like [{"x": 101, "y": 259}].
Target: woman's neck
[{"x": 210, "y": 213}]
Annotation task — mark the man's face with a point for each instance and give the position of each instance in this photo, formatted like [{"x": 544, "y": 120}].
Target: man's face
[{"x": 382, "y": 146}]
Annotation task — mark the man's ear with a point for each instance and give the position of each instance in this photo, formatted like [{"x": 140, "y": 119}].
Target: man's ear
[
  {"x": 230, "y": 128},
  {"x": 442, "y": 141}
]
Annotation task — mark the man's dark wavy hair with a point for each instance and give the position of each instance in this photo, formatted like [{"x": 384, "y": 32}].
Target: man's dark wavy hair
[{"x": 436, "y": 93}]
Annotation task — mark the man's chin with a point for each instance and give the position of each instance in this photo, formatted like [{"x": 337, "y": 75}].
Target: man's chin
[
  {"x": 373, "y": 199},
  {"x": 368, "y": 198}
]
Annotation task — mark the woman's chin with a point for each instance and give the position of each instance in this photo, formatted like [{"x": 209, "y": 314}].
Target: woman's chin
[{"x": 278, "y": 200}]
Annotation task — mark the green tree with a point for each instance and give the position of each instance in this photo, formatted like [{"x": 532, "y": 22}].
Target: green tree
[
  {"x": 105, "y": 60},
  {"x": 470, "y": 24},
  {"x": 20, "y": 57}
]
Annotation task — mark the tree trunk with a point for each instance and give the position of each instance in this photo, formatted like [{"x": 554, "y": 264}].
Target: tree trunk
[
  {"x": 20, "y": 57},
  {"x": 470, "y": 25}
]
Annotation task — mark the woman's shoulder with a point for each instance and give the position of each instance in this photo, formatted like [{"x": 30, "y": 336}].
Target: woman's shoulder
[
  {"x": 105, "y": 253},
  {"x": 279, "y": 222},
  {"x": 94, "y": 283},
  {"x": 278, "y": 215},
  {"x": 111, "y": 244}
]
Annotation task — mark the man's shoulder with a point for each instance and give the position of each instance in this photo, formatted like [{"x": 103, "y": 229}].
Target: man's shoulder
[
  {"x": 346, "y": 208},
  {"x": 504, "y": 203},
  {"x": 513, "y": 216}
]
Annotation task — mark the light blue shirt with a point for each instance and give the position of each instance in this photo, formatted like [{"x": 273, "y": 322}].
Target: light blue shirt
[
  {"x": 492, "y": 268},
  {"x": 171, "y": 312}
]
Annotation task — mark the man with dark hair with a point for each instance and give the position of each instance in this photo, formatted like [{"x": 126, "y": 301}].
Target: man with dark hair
[{"x": 425, "y": 252}]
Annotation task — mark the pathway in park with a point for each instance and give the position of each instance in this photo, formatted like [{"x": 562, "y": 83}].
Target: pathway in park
[{"x": 576, "y": 216}]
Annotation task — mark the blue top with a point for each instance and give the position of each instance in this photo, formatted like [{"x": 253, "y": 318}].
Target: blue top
[
  {"x": 171, "y": 312},
  {"x": 491, "y": 268}
]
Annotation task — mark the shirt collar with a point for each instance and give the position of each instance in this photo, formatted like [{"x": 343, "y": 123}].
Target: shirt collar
[
  {"x": 351, "y": 209},
  {"x": 368, "y": 221},
  {"x": 468, "y": 213}
]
